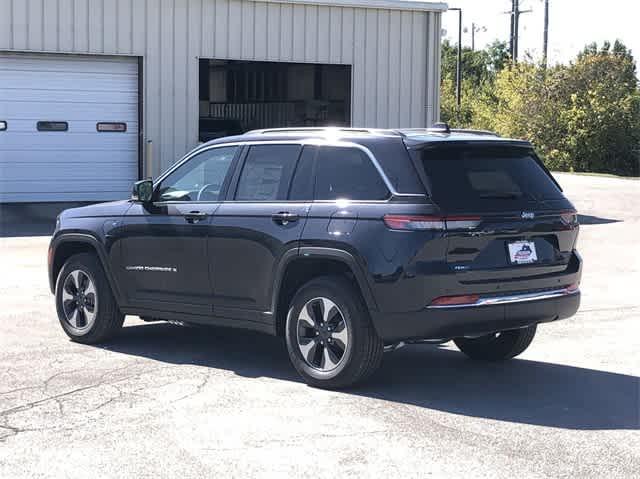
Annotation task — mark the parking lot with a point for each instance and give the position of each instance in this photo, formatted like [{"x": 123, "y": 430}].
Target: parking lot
[{"x": 165, "y": 401}]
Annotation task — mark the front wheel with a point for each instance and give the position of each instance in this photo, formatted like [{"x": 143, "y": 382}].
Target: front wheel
[
  {"x": 87, "y": 310},
  {"x": 330, "y": 337},
  {"x": 497, "y": 346}
]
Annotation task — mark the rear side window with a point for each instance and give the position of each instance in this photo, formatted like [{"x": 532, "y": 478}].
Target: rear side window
[
  {"x": 464, "y": 177},
  {"x": 266, "y": 172},
  {"x": 347, "y": 173}
]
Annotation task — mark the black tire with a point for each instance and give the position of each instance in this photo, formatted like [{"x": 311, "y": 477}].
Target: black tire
[
  {"x": 363, "y": 355},
  {"x": 108, "y": 318},
  {"x": 497, "y": 346}
]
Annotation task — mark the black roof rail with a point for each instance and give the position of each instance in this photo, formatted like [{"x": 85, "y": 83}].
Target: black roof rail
[
  {"x": 313, "y": 129},
  {"x": 475, "y": 132}
]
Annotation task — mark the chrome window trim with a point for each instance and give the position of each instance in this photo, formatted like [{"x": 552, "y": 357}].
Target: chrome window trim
[
  {"x": 303, "y": 142},
  {"x": 511, "y": 299}
]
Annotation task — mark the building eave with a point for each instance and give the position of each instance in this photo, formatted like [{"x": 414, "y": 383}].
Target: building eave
[{"x": 382, "y": 4}]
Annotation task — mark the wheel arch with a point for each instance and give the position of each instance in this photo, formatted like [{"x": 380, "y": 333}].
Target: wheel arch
[
  {"x": 66, "y": 245},
  {"x": 312, "y": 262}
]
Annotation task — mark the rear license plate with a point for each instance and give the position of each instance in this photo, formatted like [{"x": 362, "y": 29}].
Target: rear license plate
[{"x": 522, "y": 252}]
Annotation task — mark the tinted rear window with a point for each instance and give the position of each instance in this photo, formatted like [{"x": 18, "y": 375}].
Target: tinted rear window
[{"x": 462, "y": 177}]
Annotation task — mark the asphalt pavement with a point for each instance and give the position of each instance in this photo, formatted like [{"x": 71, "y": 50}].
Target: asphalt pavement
[{"x": 166, "y": 401}]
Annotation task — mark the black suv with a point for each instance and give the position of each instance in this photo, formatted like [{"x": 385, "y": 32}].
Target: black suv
[{"x": 344, "y": 242}]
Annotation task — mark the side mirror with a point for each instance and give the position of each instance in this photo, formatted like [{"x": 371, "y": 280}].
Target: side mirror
[{"x": 142, "y": 191}]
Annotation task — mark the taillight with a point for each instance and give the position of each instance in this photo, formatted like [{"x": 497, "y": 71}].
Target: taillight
[
  {"x": 569, "y": 218},
  {"x": 437, "y": 223},
  {"x": 466, "y": 299}
]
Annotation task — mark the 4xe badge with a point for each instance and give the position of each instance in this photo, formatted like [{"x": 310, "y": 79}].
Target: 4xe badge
[{"x": 528, "y": 215}]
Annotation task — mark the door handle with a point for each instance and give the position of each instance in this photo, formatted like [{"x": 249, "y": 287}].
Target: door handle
[
  {"x": 284, "y": 218},
  {"x": 195, "y": 217}
]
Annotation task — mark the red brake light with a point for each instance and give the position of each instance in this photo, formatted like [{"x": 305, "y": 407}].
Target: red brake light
[
  {"x": 456, "y": 300},
  {"x": 414, "y": 222},
  {"x": 424, "y": 222}
]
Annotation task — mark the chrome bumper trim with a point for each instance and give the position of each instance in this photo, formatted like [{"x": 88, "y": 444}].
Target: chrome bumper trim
[{"x": 512, "y": 298}]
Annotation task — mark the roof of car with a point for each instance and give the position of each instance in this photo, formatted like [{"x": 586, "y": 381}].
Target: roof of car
[{"x": 412, "y": 137}]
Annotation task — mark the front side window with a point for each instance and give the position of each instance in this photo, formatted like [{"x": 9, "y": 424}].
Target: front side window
[
  {"x": 199, "y": 179},
  {"x": 347, "y": 173},
  {"x": 267, "y": 172}
]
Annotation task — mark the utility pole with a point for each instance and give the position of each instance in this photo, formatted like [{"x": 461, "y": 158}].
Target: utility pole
[
  {"x": 545, "y": 42},
  {"x": 515, "y": 27},
  {"x": 473, "y": 37}
]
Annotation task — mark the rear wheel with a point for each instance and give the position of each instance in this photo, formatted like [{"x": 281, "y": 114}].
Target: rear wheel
[
  {"x": 497, "y": 346},
  {"x": 330, "y": 337},
  {"x": 87, "y": 310}
]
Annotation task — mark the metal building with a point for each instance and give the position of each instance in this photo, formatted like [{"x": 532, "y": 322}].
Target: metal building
[{"x": 96, "y": 93}]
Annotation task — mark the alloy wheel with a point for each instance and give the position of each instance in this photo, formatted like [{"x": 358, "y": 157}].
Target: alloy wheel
[
  {"x": 322, "y": 334},
  {"x": 79, "y": 300}
]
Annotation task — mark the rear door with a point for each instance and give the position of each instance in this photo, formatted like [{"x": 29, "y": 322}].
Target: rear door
[
  {"x": 506, "y": 216},
  {"x": 254, "y": 228}
]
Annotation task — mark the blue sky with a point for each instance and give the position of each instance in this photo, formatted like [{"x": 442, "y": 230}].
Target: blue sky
[{"x": 573, "y": 23}]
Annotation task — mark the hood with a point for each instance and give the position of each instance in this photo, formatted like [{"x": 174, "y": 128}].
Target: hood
[{"x": 112, "y": 208}]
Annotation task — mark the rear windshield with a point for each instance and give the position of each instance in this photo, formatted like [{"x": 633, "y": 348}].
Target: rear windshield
[{"x": 461, "y": 176}]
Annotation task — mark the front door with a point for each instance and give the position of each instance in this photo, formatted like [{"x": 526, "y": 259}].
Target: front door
[
  {"x": 164, "y": 261},
  {"x": 254, "y": 228}
]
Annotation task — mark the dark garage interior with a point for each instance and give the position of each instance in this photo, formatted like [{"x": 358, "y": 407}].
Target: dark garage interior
[{"x": 237, "y": 96}]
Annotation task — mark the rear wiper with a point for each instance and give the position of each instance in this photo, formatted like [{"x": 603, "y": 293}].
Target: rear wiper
[{"x": 501, "y": 195}]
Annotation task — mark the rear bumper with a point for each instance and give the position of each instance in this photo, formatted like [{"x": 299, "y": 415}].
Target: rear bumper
[{"x": 497, "y": 313}]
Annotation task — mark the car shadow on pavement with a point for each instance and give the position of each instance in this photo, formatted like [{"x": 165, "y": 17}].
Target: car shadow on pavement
[{"x": 520, "y": 391}]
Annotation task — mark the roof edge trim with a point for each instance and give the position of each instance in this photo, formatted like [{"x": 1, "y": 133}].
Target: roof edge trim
[{"x": 375, "y": 4}]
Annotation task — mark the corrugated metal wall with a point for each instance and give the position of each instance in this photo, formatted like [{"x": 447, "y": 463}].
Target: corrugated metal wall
[{"x": 394, "y": 54}]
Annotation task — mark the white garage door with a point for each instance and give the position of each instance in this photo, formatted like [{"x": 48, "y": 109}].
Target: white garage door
[{"x": 71, "y": 131}]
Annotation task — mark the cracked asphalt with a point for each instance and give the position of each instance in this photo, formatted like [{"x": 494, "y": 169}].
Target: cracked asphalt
[{"x": 165, "y": 401}]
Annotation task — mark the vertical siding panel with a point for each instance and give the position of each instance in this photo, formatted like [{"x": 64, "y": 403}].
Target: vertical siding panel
[
  {"x": 347, "y": 35},
  {"x": 66, "y": 25},
  {"x": 96, "y": 26},
  {"x": 235, "y": 35},
  {"x": 140, "y": 22},
  {"x": 20, "y": 38},
  {"x": 298, "y": 32},
  {"x": 382, "y": 68},
  {"x": 110, "y": 22},
  {"x": 323, "y": 37},
  {"x": 311, "y": 33},
  {"x": 36, "y": 27},
  {"x": 371, "y": 68},
  {"x": 183, "y": 66},
  {"x": 395, "y": 90},
  {"x": 167, "y": 86},
  {"x": 50, "y": 25},
  {"x": 419, "y": 71},
  {"x": 124, "y": 27},
  {"x": 286, "y": 33},
  {"x": 335, "y": 34},
  {"x": 152, "y": 74},
  {"x": 274, "y": 27},
  {"x": 406, "y": 45},
  {"x": 248, "y": 31},
  {"x": 430, "y": 68},
  {"x": 81, "y": 30},
  {"x": 437, "y": 67},
  {"x": 260, "y": 31},
  {"x": 209, "y": 30},
  {"x": 6, "y": 24},
  {"x": 192, "y": 93},
  {"x": 359, "y": 83}
]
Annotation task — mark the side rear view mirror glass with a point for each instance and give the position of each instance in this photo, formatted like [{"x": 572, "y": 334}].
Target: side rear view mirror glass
[{"x": 142, "y": 191}]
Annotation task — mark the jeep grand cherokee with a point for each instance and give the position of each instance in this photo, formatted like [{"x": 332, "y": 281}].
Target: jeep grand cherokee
[{"x": 344, "y": 242}]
